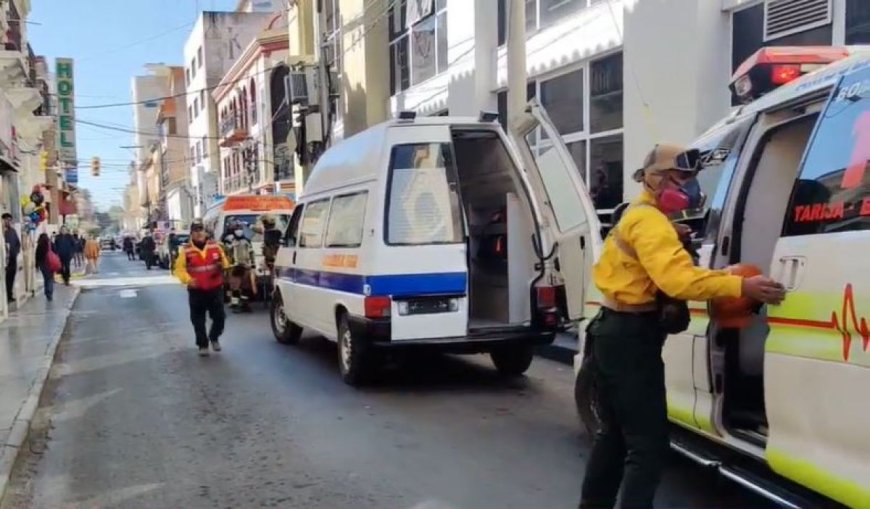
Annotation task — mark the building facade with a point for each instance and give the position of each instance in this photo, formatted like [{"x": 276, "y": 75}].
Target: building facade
[
  {"x": 613, "y": 81},
  {"x": 217, "y": 40},
  {"x": 254, "y": 116},
  {"x": 148, "y": 92},
  {"x": 176, "y": 193}
]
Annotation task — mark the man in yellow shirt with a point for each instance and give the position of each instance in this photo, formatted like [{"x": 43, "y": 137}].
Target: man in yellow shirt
[{"x": 642, "y": 256}]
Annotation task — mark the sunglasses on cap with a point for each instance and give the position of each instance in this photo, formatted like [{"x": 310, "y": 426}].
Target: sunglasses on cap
[{"x": 688, "y": 161}]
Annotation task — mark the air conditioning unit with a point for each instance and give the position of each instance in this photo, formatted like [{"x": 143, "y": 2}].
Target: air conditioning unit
[{"x": 296, "y": 87}]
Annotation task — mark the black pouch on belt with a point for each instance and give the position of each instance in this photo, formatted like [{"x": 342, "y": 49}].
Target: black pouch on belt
[{"x": 674, "y": 316}]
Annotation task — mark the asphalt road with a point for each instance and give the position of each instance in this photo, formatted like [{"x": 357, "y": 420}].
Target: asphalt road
[{"x": 134, "y": 418}]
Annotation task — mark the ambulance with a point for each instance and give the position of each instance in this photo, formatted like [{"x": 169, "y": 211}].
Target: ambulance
[
  {"x": 247, "y": 209},
  {"x": 781, "y": 405}
]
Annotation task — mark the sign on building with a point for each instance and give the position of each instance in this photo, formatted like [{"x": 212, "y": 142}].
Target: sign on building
[{"x": 66, "y": 143}]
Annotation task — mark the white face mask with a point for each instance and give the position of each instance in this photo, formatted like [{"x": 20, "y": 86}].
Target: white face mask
[{"x": 239, "y": 233}]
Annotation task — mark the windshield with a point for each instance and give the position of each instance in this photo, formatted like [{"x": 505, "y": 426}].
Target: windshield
[
  {"x": 249, "y": 221},
  {"x": 423, "y": 197}
]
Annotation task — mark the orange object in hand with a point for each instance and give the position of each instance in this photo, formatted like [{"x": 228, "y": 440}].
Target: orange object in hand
[{"x": 735, "y": 312}]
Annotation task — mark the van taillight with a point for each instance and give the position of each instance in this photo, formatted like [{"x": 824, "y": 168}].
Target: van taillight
[
  {"x": 546, "y": 296},
  {"x": 377, "y": 307}
]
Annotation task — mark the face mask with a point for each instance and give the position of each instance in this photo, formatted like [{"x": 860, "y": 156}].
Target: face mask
[
  {"x": 686, "y": 196},
  {"x": 239, "y": 233}
]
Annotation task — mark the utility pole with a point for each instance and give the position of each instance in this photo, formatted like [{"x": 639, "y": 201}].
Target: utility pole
[
  {"x": 516, "y": 56},
  {"x": 322, "y": 76}
]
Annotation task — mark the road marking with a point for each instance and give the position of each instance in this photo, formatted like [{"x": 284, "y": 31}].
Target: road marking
[
  {"x": 113, "y": 274},
  {"x": 128, "y": 294}
]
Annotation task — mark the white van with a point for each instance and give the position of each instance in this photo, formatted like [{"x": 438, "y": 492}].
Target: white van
[
  {"x": 790, "y": 182},
  {"x": 438, "y": 233}
]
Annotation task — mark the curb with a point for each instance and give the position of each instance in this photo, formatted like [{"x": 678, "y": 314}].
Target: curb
[
  {"x": 558, "y": 353},
  {"x": 21, "y": 424}
]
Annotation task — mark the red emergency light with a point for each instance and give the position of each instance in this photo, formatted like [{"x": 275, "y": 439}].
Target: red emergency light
[{"x": 769, "y": 68}]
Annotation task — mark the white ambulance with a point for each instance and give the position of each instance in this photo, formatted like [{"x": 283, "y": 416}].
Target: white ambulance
[
  {"x": 437, "y": 233},
  {"x": 790, "y": 185}
]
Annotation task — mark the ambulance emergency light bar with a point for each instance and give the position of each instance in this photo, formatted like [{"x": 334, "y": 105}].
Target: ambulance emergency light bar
[{"x": 770, "y": 68}]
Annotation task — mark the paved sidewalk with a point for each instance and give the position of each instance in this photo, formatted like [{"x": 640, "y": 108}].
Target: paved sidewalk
[{"x": 28, "y": 341}]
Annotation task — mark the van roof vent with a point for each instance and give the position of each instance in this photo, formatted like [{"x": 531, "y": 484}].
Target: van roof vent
[{"x": 786, "y": 17}]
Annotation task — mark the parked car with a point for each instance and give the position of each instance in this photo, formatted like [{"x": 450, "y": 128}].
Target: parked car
[{"x": 166, "y": 254}]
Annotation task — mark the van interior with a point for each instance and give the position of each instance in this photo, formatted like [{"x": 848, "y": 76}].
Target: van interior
[
  {"x": 499, "y": 224},
  {"x": 758, "y": 223}
]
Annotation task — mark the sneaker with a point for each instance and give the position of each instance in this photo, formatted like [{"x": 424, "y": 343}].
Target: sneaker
[
  {"x": 203, "y": 351},
  {"x": 216, "y": 345}
]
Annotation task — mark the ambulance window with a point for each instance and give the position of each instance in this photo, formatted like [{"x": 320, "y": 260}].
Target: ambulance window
[
  {"x": 313, "y": 221},
  {"x": 423, "y": 196},
  {"x": 832, "y": 193},
  {"x": 346, "y": 220},
  {"x": 292, "y": 232}
]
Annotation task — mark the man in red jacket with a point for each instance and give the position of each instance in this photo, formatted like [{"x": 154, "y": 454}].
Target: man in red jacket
[{"x": 200, "y": 266}]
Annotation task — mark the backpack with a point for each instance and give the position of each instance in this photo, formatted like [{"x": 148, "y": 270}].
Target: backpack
[{"x": 673, "y": 314}]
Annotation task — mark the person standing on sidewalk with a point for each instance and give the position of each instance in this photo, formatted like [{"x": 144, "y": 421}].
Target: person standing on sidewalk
[
  {"x": 44, "y": 264},
  {"x": 200, "y": 266},
  {"x": 13, "y": 248},
  {"x": 92, "y": 255},
  {"x": 642, "y": 259},
  {"x": 65, "y": 247}
]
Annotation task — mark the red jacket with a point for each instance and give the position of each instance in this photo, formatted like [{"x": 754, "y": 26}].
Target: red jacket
[{"x": 204, "y": 266}]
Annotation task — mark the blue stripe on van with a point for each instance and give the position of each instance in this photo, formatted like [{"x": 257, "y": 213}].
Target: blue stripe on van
[{"x": 396, "y": 285}]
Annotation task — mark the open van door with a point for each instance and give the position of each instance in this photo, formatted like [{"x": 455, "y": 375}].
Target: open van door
[{"x": 570, "y": 220}]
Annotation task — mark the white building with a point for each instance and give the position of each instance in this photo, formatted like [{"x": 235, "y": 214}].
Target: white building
[
  {"x": 254, "y": 117},
  {"x": 148, "y": 92},
  {"x": 261, "y": 5},
  {"x": 616, "y": 76},
  {"x": 218, "y": 39}
]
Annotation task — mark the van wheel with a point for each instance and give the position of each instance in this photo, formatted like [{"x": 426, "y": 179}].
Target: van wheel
[
  {"x": 354, "y": 359},
  {"x": 512, "y": 361},
  {"x": 285, "y": 331}
]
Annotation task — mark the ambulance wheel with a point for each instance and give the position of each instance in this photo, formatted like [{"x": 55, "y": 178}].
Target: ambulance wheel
[
  {"x": 354, "y": 360},
  {"x": 512, "y": 361},
  {"x": 285, "y": 331}
]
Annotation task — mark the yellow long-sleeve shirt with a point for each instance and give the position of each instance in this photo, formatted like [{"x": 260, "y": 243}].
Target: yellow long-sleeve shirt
[
  {"x": 661, "y": 263},
  {"x": 180, "y": 270}
]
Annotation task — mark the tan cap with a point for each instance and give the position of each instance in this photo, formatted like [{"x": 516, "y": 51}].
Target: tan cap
[{"x": 665, "y": 156}]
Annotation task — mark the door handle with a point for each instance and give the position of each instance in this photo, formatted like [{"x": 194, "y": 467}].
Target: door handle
[{"x": 791, "y": 271}]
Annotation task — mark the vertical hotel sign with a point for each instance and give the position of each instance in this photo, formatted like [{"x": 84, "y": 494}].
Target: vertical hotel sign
[{"x": 66, "y": 143}]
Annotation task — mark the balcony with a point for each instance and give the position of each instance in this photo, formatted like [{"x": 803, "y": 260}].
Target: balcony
[{"x": 232, "y": 132}]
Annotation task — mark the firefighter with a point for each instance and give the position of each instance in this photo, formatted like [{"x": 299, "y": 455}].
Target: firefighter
[
  {"x": 200, "y": 266},
  {"x": 642, "y": 261},
  {"x": 241, "y": 276}
]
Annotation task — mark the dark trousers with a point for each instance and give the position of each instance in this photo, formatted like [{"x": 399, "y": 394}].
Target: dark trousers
[
  {"x": 64, "y": 268},
  {"x": 11, "y": 273},
  {"x": 211, "y": 302},
  {"x": 48, "y": 279},
  {"x": 631, "y": 446},
  {"x": 130, "y": 254}
]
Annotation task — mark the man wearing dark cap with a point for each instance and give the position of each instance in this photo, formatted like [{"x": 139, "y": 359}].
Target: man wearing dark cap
[
  {"x": 642, "y": 259},
  {"x": 200, "y": 266}
]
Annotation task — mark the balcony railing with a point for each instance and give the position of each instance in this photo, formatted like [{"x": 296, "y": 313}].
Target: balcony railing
[{"x": 232, "y": 131}]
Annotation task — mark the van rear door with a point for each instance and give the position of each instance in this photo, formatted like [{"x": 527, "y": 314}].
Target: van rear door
[{"x": 570, "y": 220}]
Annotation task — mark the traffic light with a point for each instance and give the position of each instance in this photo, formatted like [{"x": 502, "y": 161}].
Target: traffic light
[
  {"x": 43, "y": 160},
  {"x": 95, "y": 166}
]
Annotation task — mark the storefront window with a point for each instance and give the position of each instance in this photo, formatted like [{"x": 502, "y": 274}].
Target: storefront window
[
  {"x": 857, "y": 22},
  {"x": 562, "y": 97},
  {"x": 605, "y": 175}
]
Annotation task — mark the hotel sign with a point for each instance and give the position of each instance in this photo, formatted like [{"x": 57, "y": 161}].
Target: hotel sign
[{"x": 66, "y": 144}]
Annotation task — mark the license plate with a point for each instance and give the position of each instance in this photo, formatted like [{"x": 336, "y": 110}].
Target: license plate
[{"x": 428, "y": 306}]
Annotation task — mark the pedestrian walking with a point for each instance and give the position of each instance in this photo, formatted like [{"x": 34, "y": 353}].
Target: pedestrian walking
[
  {"x": 13, "y": 248},
  {"x": 48, "y": 264},
  {"x": 642, "y": 266},
  {"x": 65, "y": 247},
  {"x": 200, "y": 267},
  {"x": 129, "y": 248},
  {"x": 147, "y": 247},
  {"x": 92, "y": 254},
  {"x": 78, "y": 253}
]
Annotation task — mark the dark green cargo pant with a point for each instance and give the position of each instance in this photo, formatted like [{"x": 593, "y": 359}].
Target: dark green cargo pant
[{"x": 631, "y": 445}]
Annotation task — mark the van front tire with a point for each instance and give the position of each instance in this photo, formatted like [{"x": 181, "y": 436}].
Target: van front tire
[
  {"x": 512, "y": 361},
  {"x": 354, "y": 359},
  {"x": 285, "y": 331}
]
